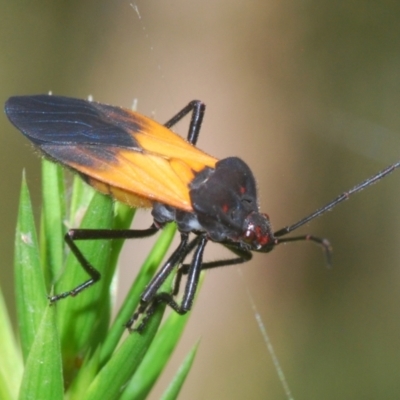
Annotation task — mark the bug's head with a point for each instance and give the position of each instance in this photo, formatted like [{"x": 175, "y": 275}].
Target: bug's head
[{"x": 258, "y": 233}]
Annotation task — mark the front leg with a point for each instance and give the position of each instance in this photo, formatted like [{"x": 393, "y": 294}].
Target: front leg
[
  {"x": 150, "y": 293},
  {"x": 150, "y": 298}
]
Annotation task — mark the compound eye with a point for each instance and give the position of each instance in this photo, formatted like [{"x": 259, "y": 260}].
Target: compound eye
[
  {"x": 249, "y": 235},
  {"x": 252, "y": 237},
  {"x": 257, "y": 232}
]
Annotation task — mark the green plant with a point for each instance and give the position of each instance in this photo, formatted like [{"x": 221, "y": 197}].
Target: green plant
[{"x": 74, "y": 350}]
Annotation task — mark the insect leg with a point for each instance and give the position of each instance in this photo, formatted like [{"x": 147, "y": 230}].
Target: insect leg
[
  {"x": 243, "y": 256},
  {"x": 95, "y": 234},
  {"x": 193, "y": 271},
  {"x": 150, "y": 298},
  {"x": 197, "y": 108},
  {"x": 183, "y": 269},
  {"x": 324, "y": 243},
  {"x": 191, "y": 284},
  {"x": 147, "y": 302}
]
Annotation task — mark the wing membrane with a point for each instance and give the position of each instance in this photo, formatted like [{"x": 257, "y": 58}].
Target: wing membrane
[{"x": 120, "y": 152}]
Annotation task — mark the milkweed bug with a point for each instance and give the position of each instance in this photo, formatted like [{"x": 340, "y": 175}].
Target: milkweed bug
[{"x": 144, "y": 164}]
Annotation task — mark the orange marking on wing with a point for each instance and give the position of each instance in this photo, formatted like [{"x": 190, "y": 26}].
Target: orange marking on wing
[
  {"x": 142, "y": 175},
  {"x": 181, "y": 150},
  {"x": 182, "y": 170},
  {"x": 157, "y": 139},
  {"x": 124, "y": 196}
]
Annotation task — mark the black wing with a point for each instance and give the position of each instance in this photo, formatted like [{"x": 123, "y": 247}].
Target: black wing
[{"x": 46, "y": 119}]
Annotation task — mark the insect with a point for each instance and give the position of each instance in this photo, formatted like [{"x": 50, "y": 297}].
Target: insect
[{"x": 144, "y": 164}]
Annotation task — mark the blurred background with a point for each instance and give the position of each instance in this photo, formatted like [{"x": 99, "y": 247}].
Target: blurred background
[{"x": 308, "y": 94}]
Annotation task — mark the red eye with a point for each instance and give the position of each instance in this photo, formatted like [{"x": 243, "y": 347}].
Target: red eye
[{"x": 258, "y": 232}]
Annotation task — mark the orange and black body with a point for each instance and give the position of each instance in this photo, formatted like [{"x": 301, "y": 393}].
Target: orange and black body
[{"x": 144, "y": 164}]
